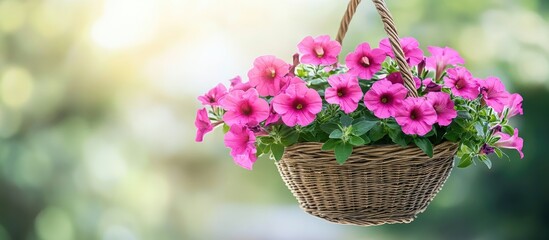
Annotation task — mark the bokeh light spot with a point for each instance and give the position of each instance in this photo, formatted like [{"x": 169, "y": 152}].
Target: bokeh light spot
[
  {"x": 54, "y": 224},
  {"x": 12, "y": 15},
  {"x": 16, "y": 87}
]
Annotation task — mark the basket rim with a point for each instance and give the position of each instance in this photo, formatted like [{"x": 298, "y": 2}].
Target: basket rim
[{"x": 382, "y": 145}]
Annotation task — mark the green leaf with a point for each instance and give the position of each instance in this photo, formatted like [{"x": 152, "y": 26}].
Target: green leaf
[
  {"x": 363, "y": 127},
  {"x": 366, "y": 139},
  {"x": 336, "y": 134},
  {"x": 356, "y": 141},
  {"x": 309, "y": 137},
  {"x": 398, "y": 137},
  {"x": 342, "y": 152},
  {"x": 464, "y": 115},
  {"x": 480, "y": 129},
  {"x": 266, "y": 140},
  {"x": 425, "y": 145},
  {"x": 278, "y": 151},
  {"x": 346, "y": 121},
  {"x": 487, "y": 162},
  {"x": 393, "y": 125},
  {"x": 329, "y": 127},
  {"x": 462, "y": 122},
  {"x": 226, "y": 128},
  {"x": 377, "y": 132},
  {"x": 508, "y": 130},
  {"x": 290, "y": 139},
  {"x": 465, "y": 161},
  {"x": 498, "y": 152},
  {"x": 330, "y": 144},
  {"x": 260, "y": 149}
]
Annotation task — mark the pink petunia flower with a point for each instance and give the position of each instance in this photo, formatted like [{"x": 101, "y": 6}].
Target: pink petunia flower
[
  {"x": 494, "y": 93},
  {"x": 462, "y": 83},
  {"x": 364, "y": 62},
  {"x": 273, "y": 117},
  {"x": 266, "y": 74},
  {"x": 396, "y": 77},
  {"x": 344, "y": 91},
  {"x": 431, "y": 86},
  {"x": 237, "y": 84},
  {"x": 241, "y": 141},
  {"x": 510, "y": 142},
  {"x": 441, "y": 58},
  {"x": 514, "y": 104},
  {"x": 410, "y": 46},
  {"x": 213, "y": 96},
  {"x": 444, "y": 107},
  {"x": 203, "y": 124},
  {"x": 288, "y": 81},
  {"x": 384, "y": 98},
  {"x": 298, "y": 105},
  {"x": 244, "y": 108},
  {"x": 416, "y": 116},
  {"x": 319, "y": 51}
]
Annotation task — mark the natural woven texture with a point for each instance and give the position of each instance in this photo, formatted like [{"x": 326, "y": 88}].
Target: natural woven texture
[
  {"x": 377, "y": 185},
  {"x": 391, "y": 31}
]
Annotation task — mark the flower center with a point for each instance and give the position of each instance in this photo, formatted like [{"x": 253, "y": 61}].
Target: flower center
[
  {"x": 319, "y": 50},
  {"x": 415, "y": 114},
  {"x": 271, "y": 72},
  {"x": 365, "y": 61},
  {"x": 299, "y": 106},
  {"x": 460, "y": 84},
  {"x": 246, "y": 109},
  {"x": 385, "y": 99},
  {"x": 341, "y": 92},
  {"x": 212, "y": 99}
]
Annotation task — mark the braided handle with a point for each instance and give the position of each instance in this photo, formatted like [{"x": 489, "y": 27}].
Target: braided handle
[{"x": 390, "y": 29}]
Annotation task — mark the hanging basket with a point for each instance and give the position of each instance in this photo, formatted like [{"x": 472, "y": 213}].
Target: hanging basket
[{"x": 379, "y": 184}]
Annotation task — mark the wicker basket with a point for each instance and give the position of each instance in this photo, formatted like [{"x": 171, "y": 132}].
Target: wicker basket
[{"x": 378, "y": 184}]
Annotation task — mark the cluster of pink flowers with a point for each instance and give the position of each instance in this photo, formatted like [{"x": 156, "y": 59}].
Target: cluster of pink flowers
[{"x": 275, "y": 95}]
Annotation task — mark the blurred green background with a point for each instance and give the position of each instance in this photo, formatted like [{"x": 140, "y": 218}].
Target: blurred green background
[{"x": 98, "y": 98}]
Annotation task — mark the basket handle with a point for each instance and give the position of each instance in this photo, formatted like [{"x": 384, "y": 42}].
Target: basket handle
[{"x": 391, "y": 31}]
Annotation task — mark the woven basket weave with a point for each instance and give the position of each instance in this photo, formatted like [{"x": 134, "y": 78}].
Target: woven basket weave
[
  {"x": 377, "y": 185},
  {"x": 380, "y": 184}
]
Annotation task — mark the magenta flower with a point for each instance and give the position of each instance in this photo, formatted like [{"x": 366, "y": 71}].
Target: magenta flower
[
  {"x": 244, "y": 108},
  {"x": 344, "y": 91},
  {"x": 441, "y": 58},
  {"x": 266, "y": 74},
  {"x": 319, "y": 51},
  {"x": 416, "y": 116},
  {"x": 203, "y": 124},
  {"x": 431, "y": 86},
  {"x": 237, "y": 84},
  {"x": 444, "y": 107},
  {"x": 384, "y": 98},
  {"x": 514, "y": 104},
  {"x": 396, "y": 77},
  {"x": 510, "y": 142},
  {"x": 462, "y": 83},
  {"x": 288, "y": 81},
  {"x": 410, "y": 46},
  {"x": 298, "y": 105},
  {"x": 494, "y": 93},
  {"x": 273, "y": 117},
  {"x": 364, "y": 62},
  {"x": 213, "y": 96},
  {"x": 241, "y": 141}
]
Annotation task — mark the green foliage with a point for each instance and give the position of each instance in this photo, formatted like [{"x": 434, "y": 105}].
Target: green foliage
[
  {"x": 425, "y": 145},
  {"x": 343, "y": 151}
]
